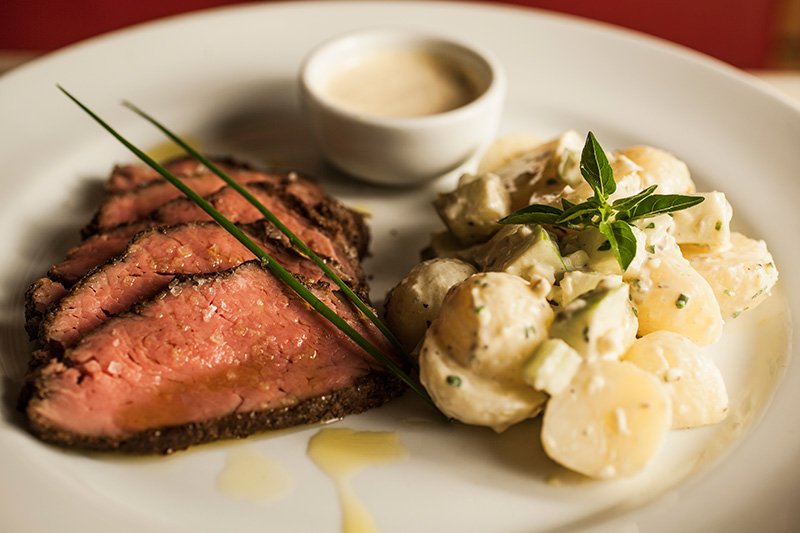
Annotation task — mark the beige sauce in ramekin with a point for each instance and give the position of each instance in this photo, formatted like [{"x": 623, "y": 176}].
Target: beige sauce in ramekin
[{"x": 401, "y": 83}]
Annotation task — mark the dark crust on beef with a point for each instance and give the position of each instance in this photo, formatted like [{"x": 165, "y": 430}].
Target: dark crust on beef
[
  {"x": 33, "y": 314},
  {"x": 370, "y": 391}
]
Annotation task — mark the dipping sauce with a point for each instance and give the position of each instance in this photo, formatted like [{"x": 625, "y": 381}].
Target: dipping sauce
[{"x": 402, "y": 83}]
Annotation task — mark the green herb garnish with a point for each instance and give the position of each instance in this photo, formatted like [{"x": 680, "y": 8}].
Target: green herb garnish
[
  {"x": 267, "y": 261},
  {"x": 454, "y": 381},
  {"x": 613, "y": 219},
  {"x": 681, "y": 302}
]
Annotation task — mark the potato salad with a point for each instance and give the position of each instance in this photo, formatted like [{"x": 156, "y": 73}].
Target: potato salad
[{"x": 580, "y": 285}]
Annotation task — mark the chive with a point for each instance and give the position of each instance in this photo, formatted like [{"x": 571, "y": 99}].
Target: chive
[
  {"x": 265, "y": 259},
  {"x": 286, "y": 231},
  {"x": 651, "y": 249},
  {"x": 650, "y": 225},
  {"x": 479, "y": 308},
  {"x": 454, "y": 381},
  {"x": 681, "y": 302},
  {"x": 718, "y": 225}
]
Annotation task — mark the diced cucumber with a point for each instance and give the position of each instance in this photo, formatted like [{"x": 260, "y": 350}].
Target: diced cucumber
[{"x": 552, "y": 366}]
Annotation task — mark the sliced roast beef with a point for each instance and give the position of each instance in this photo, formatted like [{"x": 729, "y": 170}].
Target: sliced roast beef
[
  {"x": 95, "y": 251},
  {"x": 313, "y": 228},
  {"x": 150, "y": 262},
  {"x": 213, "y": 356},
  {"x": 128, "y": 206},
  {"x": 135, "y": 189},
  {"x": 330, "y": 229}
]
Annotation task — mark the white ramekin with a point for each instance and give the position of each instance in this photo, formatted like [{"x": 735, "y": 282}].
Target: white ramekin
[{"x": 400, "y": 151}]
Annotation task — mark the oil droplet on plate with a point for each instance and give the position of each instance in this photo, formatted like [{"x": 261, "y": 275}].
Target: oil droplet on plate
[
  {"x": 341, "y": 453},
  {"x": 252, "y": 477}
]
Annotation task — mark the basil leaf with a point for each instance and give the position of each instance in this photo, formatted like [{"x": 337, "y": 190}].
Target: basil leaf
[
  {"x": 622, "y": 240},
  {"x": 628, "y": 203},
  {"x": 595, "y": 168},
  {"x": 658, "y": 204},
  {"x": 581, "y": 212},
  {"x": 533, "y": 214}
]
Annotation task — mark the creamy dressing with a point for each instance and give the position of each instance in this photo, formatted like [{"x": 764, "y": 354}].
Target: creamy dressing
[
  {"x": 402, "y": 83},
  {"x": 341, "y": 453}
]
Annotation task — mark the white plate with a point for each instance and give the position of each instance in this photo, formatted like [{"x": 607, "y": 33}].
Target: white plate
[{"x": 227, "y": 77}]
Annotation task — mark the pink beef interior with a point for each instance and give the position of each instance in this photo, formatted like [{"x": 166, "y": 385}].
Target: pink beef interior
[
  {"x": 127, "y": 206},
  {"x": 147, "y": 267},
  {"x": 205, "y": 348}
]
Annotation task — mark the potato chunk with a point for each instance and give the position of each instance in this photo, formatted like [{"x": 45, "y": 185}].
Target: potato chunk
[
  {"x": 472, "y": 356},
  {"x": 545, "y": 169},
  {"x": 492, "y": 321},
  {"x": 472, "y": 397},
  {"x": 415, "y": 302},
  {"x": 707, "y": 223},
  {"x": 472, "y": 210}
]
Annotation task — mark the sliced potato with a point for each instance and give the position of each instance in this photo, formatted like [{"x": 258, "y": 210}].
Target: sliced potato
[
  {"x": 740, "y": 276},
  {"x": 661, "y": 168},
  {"x": 609, "y": 422},
  {"x": 694, "y": 382},
  {"x": 669, "y": 294}
]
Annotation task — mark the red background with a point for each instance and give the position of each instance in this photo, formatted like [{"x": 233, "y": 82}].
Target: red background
[{"x": 739, "y": 32}]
